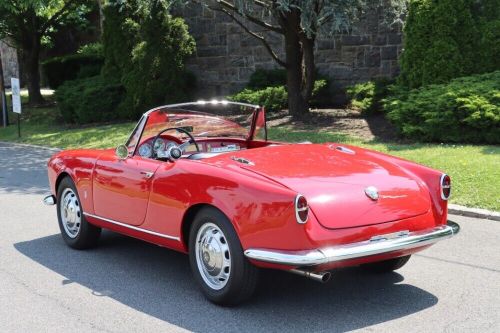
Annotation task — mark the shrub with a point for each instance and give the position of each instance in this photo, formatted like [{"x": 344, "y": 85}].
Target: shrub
[
  {"x": 367, "y": 96},
  {"x": 273, "y": 98},
  {"x": 90, "y": 49},
  {"x": 449, "y": 38},
  {"x": 60, "y": 69},
  {"x": 466, "y": 109},
  {"x": 145, "y": 49},
  {"x": 89, "y": 100}
]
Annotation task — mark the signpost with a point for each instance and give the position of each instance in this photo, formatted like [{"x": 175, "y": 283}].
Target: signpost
[
  {"x": 16, "y": 102},
  {"x": 3, "y": 98}
]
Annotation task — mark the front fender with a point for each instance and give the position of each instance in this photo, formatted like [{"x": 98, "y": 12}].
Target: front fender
[{"x": 79, "y": 165}]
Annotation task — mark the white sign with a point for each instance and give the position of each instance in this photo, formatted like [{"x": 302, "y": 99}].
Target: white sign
[{"x": 16, "y": 95}]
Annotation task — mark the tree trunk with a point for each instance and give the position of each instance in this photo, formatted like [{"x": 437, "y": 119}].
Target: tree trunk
[
  {"x": 308, "y": 67},
  {"x": 30, "y": 63},
  {"x": 300, "y": 66},
  {"x": 100, "y": 4},
  {"x": 30, "y": 40}
]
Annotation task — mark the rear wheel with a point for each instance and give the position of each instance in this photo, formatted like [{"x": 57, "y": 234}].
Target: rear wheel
[
  {"x": 219, "y": 266},
  {"x": 75, "y": 230},
  {"x": 387, "y": 266}
]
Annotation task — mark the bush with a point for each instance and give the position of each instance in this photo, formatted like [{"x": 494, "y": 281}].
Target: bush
[
  {"x": 449, "y": 38},
  {"x": 89, "y": 100},
  {"x": 367, "y": 96},
  {"x": 466, "y": 109},
  {"x": 60, "y": 69},
  {"x": 145, "y": 49},
  {"x": 273, "y": 98},
  {"x": 91, "y": 49}
]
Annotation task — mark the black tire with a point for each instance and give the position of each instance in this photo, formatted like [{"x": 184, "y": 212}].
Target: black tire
[
  {"x": 386, "y": 266},
  {"x": 243, "y": 276},
  {"x": 87, "y": 235}
]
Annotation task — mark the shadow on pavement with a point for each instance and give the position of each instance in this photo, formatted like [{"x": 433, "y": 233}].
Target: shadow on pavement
[
  {"x": 23, "y": 169},
  {"x": 158, "y": 282}
]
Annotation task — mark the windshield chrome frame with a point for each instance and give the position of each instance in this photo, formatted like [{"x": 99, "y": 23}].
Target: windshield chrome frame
[
  {"x": 145, "y": 116},
  {"x": 201, "y": 102}
]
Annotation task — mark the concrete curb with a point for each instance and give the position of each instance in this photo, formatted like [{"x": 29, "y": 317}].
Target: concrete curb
[
  {"x": 473, "y": 212},
  {"x": 55, "y": 150}
]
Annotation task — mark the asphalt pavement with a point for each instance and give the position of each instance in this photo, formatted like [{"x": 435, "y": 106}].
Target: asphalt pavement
[{"x": 125, "y": 285}]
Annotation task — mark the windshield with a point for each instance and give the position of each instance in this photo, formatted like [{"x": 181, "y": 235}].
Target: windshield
[{"x": 201, "y": 121}]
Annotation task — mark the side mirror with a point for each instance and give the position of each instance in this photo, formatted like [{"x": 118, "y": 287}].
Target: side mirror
[{"x": 122, "y": 152}]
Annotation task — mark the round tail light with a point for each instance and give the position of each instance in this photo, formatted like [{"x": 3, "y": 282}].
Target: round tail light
[
  {"x": 301, "y": 209},
  {"x": 445, "y": 187}
]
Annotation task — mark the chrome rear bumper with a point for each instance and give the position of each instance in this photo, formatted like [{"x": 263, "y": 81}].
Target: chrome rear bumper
[{"x": 377, "y": 245}]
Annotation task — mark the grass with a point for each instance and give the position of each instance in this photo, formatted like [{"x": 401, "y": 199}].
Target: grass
[
  {"x": 43, "y": 126},
  {"x": 475, "y": 170}
]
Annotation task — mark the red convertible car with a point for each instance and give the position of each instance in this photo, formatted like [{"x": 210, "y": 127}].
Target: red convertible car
[{"x": 210, "y": 184}]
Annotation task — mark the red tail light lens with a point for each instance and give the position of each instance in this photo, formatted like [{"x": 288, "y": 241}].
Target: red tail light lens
[
  {"x": 445, "y": 187},
  {"x": 301, "y": 209}
]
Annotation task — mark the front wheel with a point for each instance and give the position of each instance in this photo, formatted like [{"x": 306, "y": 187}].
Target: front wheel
[
  {"x": 217, "y": 260},
  {"x": 75, "y": 230},
  {"x": 387, "y": 266}
]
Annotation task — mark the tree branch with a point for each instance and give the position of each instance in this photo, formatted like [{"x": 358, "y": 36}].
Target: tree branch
[
  {"x": 251, "y": 18},
  {"x": 255, "y": 35},
  {"x": 57, "y": 16}
]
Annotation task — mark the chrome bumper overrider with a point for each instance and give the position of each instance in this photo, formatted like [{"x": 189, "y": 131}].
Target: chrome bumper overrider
[
  {"x": 377, "y": 245},
  {"x": 49, "y": 200}
]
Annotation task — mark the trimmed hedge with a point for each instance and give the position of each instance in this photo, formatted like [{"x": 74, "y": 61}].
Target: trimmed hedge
[
  {"x": 89, "y": 100},
  {"x": 274, "y": 98},
  {"x": 466, "y": 109},
  {"x": 60, "y": 69}
]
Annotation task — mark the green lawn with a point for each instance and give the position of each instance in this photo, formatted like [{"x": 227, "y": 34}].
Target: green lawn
[
  {"x": 44, "y": 126},
  {"x": 475, "y": 170}
]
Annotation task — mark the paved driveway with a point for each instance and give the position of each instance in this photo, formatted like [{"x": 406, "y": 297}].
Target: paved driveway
[{"x": 126, "y": 285}]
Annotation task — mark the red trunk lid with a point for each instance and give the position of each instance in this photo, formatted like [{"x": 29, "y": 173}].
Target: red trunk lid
[{"x": 334, "y": 182}]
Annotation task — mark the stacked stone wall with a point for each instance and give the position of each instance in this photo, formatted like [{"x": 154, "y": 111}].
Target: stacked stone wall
[{"x": 226, "y": 55}]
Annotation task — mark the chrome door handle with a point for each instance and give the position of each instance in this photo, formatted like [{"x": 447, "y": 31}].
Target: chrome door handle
[{"x": 147, "y": 174}]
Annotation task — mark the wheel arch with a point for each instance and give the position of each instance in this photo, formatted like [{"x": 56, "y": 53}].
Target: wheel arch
[
  {"x": 60, "y": 177},
  {"x": 188, "y": 218}
]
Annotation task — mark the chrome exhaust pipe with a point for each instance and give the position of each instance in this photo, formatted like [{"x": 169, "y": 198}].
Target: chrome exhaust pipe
[{"x": 322, "y": 277}]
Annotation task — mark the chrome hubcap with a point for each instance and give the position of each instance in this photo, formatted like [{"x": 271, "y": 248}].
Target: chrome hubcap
[
  {"x": 71, "y": 214},
  {"x": 213, "y": 256}
]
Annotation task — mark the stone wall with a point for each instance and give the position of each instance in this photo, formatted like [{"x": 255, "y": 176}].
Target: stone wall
[
  {"x": 226, "y": 55},
  {"x": 9, "y": 62}
]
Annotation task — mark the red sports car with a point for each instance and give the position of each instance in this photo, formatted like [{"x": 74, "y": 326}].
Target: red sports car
[{"x": 203, "y": 179}]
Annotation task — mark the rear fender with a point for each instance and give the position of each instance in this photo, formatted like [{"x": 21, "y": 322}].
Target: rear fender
[{"x": 259, "y": 209}]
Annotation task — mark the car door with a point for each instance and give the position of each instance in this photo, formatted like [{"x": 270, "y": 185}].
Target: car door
[{"x": 121, "y": 187}]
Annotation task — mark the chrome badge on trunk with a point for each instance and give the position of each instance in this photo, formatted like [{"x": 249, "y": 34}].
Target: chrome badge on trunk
[{"x": 371, "y": 192}]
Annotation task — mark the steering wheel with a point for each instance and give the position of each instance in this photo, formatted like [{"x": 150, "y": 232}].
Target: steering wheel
[{"x": 174, "y": 152}]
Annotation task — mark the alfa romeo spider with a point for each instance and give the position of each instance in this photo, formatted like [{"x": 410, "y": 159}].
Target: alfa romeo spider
[{"x": 203, "y": 179}]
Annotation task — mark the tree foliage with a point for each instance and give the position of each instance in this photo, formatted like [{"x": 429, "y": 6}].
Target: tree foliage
[
  {"x": 27, "y": 24},
  {"x": 450, "y": 38}
]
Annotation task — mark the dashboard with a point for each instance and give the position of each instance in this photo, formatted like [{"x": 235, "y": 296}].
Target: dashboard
[{"x": 164, "y": 143}]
